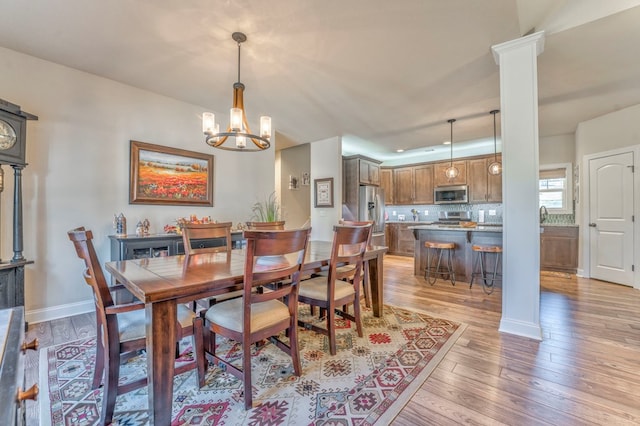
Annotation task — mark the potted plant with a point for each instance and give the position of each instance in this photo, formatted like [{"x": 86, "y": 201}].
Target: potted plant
[{"x": 266, "y": 214}]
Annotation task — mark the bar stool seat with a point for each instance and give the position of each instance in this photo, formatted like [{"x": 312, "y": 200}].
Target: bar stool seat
[
  {"x": 480, "y": 266},
  {"x": 435, "y": 268}
]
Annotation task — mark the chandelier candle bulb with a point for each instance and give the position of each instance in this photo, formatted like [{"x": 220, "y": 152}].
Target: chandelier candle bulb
[
  {"x": 241, "y": 142},
  {"x": 208, "y": 122},
  {"x": 236, "y": 119},
  {"x": 265, "y": 126}
]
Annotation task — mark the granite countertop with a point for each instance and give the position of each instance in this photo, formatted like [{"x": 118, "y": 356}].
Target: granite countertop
[{"x": 479, "y": 228}]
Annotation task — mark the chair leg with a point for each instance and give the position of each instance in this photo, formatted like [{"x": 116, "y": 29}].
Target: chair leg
[
  {"x": 198, "y": 350},
  {"x": 365, "y": 285},
  {"x": 98, "y": 370},
  {"x": 110, "y": 389},
  {"x": 452, "y": 273},
  {"x": 246, "y": 374},
  {"x": 356, "y": 315},
  {"x": 331, "y": 328},
  {"x": 293, "y": 345}
]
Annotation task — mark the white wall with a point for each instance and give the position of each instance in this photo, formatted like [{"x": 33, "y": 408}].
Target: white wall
[
  {"x": 557, "y": 149},
  {"x": 326, "y": 161},
  {"x": 615, "y": 130},
  {"x": 296, "y": 203},
  {"x": 78, "y": 172}
]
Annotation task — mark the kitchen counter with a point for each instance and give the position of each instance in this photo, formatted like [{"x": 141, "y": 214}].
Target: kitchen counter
[
  {"x": 441, "y": 227},
  {"x": 463, "y": 238}
]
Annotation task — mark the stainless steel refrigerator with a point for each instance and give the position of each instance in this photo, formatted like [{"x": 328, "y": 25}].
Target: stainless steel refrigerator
[{"x": 371, "y": 207}]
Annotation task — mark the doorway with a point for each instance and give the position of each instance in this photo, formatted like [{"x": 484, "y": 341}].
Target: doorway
[{"x": 610, "y": 217}]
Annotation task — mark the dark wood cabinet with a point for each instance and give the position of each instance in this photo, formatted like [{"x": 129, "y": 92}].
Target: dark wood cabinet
[
  {"x": 401, "y": 240},
  {"x": 440, "y": 179},
  {"x": 559, "y": 248},
  {"x": 362, "y": 170},
  {"x": 483, "y": 187},
  {"x": 386, "y": 183},
  {"x": 413, "y": 185}
]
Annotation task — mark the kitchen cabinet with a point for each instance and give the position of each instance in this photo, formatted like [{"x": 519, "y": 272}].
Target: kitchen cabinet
[
  {"x": 386, "y": 183},
  {"x": 440, "y": 179},
  {"x": 483, "y": 187},
  {"x": 401, "y": 240},
  {"x": 363, "y": 170},
  {"x": 559, "y": 248},
  {"x": 413, "y": 185}
]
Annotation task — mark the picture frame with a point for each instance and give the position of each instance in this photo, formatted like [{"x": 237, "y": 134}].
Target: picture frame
[
  {"x": 306, "y": 179},
  {"x": 323, "y": 192},
  {"x": 163, "y": 175}
]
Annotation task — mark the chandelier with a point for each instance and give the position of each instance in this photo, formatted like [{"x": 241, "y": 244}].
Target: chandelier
[
  {"x": 451, "y": 172},
  {"x": 495, "y": 168},
  {"x": 238, "y": 127}
]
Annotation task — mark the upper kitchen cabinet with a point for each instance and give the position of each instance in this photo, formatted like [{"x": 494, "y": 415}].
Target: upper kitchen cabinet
[
  {"x": 363, "y": 169},
  {"x": 440, "y": 179},
  {"x": 413, "y": 185},
  {"x": 484, "y": 187},
  {"x": 386, "y": 183}
]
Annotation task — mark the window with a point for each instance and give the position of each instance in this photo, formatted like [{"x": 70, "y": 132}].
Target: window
[{"x": 555, "y": 188}]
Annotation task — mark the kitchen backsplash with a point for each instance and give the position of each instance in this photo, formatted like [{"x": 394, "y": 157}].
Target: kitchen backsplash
[{"x": 396, "y": 213}]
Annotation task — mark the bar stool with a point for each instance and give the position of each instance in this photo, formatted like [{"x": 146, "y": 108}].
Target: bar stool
[
  {"x": 488, "y": 278},
  {"x": 434, "y": 268}
]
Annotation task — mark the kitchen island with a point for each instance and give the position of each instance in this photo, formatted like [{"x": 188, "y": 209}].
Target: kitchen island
[{"x": 463, "y": 237}]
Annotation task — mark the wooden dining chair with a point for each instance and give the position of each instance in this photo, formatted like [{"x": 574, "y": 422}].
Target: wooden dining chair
[
  {"x": 206, "y": 231},
  {"x": 270, "y": 256},
  {"x": 120, "y": 329},
  {"x": 341, "y": 286},
  {"x": 266, "y": 226},
  {"x": 191, "y": 233}
]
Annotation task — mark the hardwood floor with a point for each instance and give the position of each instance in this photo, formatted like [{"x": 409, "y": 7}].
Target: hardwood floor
[{"x": 585, "y": 371}]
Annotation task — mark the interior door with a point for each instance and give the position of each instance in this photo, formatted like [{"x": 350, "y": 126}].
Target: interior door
[{"x": 611, "y": 218}]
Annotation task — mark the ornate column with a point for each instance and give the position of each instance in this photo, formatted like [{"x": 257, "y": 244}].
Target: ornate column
[
  {"x": 521, "y": 227},
  {"x": 17, "y": 213}
]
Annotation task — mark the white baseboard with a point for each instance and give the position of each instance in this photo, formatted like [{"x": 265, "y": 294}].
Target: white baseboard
[
  {"x": 521, "y": 328},
  {"x": 61, "y": 311},
  {"x": 580, "y": 273}
]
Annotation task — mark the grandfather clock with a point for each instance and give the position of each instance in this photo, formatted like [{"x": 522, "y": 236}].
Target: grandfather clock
[{"x": 13, "y": 128}]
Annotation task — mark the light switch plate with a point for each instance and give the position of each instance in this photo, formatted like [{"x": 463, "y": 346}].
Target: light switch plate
[{"x": 492, "y": 212}]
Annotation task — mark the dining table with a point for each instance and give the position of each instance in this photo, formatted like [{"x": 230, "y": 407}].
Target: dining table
[{"x": 164, "y": 282}]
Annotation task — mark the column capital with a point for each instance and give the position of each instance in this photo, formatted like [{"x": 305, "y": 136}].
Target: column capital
[{"x": 535, "y": 38}]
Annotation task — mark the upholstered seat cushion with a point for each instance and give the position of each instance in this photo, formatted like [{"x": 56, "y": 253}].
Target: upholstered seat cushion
[
  {"x": 228, "y": 314},
  {"x": 339, "y": 269},
  {"x": 316, "y": 288},
  {"x": 132, "y": 324}
]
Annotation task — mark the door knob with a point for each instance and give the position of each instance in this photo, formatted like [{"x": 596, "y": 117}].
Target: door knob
[{"x": 592, "y": 225}]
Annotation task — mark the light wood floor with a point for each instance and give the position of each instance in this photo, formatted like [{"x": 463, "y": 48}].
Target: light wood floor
[{"x": 585, "y": 371}]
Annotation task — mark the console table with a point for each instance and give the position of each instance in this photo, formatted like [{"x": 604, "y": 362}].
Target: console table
[{"x": 158, "y": 245}]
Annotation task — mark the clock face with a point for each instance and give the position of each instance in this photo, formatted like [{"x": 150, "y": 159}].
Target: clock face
[{"x": 7, "y": 135}]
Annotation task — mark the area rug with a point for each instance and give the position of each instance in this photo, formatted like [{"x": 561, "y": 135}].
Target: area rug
[{"x": 367, "y": 382}]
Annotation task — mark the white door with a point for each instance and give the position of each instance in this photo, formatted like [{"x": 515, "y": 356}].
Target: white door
[{"x": 611, "y": 218}]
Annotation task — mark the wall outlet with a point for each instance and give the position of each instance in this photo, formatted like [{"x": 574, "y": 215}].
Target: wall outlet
[
  {"x": 492, "y": 212},
  {"x": 426, "y": 212},
  {"x": 393, "y": 213}
]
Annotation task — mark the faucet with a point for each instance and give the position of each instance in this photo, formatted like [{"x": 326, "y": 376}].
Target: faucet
[{"x": 543, "y": 214}]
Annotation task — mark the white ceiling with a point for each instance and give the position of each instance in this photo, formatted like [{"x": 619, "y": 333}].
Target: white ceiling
[{"x": 382, "y": 74}]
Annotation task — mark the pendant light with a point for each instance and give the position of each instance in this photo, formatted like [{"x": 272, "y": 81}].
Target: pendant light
[
  {"x": 451, "y": 172},
  {"x": 495, "y": 168},
  {"x": 238, "y": 127}
]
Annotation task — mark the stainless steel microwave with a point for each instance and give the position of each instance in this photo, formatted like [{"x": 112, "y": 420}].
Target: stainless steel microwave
[{"x": 454, "y": 194}]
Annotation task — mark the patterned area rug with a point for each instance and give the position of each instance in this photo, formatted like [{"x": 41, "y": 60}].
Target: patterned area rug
[{"x": 367, "y": 382}]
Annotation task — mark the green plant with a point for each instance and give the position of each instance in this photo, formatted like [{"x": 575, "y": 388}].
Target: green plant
[{"x": 267, "y": 210}]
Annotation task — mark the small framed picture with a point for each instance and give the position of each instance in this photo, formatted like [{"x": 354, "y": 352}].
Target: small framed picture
[
  {"x": 306, "y": 179},
  {"x": 323, "y": 192}
]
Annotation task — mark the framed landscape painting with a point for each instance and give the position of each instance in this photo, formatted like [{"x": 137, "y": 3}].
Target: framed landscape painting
[{"x": 169, "y": 176}]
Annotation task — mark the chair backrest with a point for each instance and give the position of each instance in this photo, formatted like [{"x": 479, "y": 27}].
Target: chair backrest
[
  {"x": 266, "y": 226},
  {"x": 93, "y": 275},
  {"x": 273, "y": 256},
  {"x": 195, "y": 231},
  {"x": 348, "y": 248},
  {"x": 358, "y": 223}
]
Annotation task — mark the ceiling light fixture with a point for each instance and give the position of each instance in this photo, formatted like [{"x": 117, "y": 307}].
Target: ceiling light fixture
[
  {"x": 238, "y": 128},
  {"x": 495, "y": 168},
  {"x": 451, "y": 172}
]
